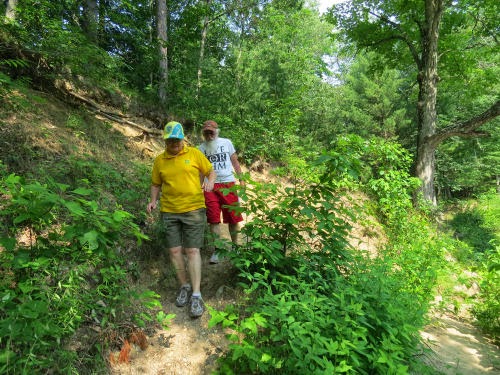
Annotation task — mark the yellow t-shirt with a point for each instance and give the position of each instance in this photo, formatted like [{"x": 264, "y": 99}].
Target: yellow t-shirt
[{"x": 179, "y": 178}]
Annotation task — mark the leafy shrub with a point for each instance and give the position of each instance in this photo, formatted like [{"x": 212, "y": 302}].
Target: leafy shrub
[
  {"x": 487, "y": 311},
  {"x": 315, "y": 307},
  {"x": 298, "y": 218},
  {"x": 470, "y": 228},
  {"x": 379, "y": 168},
  {"x": 320, "y": 321},
  {"x": 66, "y": 271}
]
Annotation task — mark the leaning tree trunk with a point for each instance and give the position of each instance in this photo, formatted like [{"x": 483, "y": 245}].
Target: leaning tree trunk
[
  {"x": 161, "y": 22},
  {"x": 426, "y": 107}
]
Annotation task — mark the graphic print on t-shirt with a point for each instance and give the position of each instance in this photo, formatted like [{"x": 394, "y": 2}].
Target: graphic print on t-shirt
[
  {"x": 219, "y": 155},
  {"x": 219, "y": 159}
]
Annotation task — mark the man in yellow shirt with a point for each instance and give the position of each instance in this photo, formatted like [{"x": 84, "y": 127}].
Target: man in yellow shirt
[{"x": 176, "y": 175}]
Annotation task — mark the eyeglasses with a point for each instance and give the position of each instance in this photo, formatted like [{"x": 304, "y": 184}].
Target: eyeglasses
[{"x": 208, "y": 132}]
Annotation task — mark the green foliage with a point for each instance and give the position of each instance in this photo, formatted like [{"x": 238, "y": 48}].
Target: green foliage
[
  {"x": 487, "y": 310},
  {"x": 81, "y": 151},
  {"x": 5, "y": 80},
  {"x": 48, "y": 30},
  {"x": 373, "y": 103},
  {"x": 419, "y": 252},
  {"x": 476, "y": 223},
  {"x": 264, "y": 80},
  {"x": 469, "y": 227},
  {"x": 271, "y": 84},
  {"x": 317, "y": 320},
  {"x": 379, "y": 167},
  {"x": 395, "y": 30},
  {"x": 298, "y": 218},
  {"x": 469, "y": 167},
  {"x": 61, "y": 269},
  {"x": 313, "y": 306}
]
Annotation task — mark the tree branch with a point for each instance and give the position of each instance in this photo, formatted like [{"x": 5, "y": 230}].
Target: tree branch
[
  {"x": 402, "y": 36},
  {"x": 116, "y": 117},
  {"x": 467, "y": 129}
]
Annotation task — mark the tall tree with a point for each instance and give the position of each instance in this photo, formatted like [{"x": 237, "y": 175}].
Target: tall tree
[
  {"x": 204, "y": 31},
  {"x": 373, "y": 101},
  {"x": 10, "y": 9},
  {"x": 161, "y": 27},
  {"x": 277, "y": 69},
  {"x": 413, "y": 29},
  {"x": 90, "y": 19}
]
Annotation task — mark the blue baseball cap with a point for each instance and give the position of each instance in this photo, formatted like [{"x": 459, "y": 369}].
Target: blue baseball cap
[{"x": 173, "y": 130}]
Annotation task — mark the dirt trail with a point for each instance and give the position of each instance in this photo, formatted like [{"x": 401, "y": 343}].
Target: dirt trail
[
  {"x": 189, "y": 347},
  {"x": 459, "y": 348}
]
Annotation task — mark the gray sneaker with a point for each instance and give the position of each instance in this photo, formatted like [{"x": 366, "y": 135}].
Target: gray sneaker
[
  {"x": 183, "y": 297},
  {"x": 197, "y": 307},
  {"x": 214, "y": 259}
]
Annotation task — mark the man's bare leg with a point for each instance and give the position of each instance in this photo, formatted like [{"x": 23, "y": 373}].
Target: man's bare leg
[
  {"x": 234, "y": 232},
  {"x": 194, "y": 268},
  {"x": 177, "y": 259},
  {"x": 215, "y": 230}
]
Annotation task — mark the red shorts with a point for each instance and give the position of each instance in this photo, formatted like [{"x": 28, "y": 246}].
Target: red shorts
[{"x": 217, "y": 202}]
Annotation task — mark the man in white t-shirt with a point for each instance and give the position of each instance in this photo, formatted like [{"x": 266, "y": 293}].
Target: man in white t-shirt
[{"x": 222, "y": 155}]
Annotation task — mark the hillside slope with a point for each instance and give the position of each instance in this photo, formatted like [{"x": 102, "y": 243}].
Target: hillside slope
[{"x": 44, "y": 138}]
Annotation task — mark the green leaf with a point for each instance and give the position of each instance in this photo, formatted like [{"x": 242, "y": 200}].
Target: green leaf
[
  {"x": 8, "y": 243},
  {"x": 75, "y": 208},
  {"x": 121, "y": 215},
  {"x": 7, "y": 356},
  {"x": 265, "y": 357},
  {"x": 83, "y": 191},
  {"x": 23, "y": 217},
  {"x": 90, "y": 239}
]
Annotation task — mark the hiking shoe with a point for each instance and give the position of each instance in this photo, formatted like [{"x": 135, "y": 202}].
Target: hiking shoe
[
  {"x": 183, "y": 297},
  {"x": 214, "y": 259},
  {"x": 197, "y": 307}
]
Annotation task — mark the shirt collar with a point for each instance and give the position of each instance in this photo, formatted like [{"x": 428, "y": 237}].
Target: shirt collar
[{"x": 166, "y": 155}]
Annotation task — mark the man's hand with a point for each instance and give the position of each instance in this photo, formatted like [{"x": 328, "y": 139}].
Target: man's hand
[
  {"x": 208, "y": 186},
  {"x": 151, "y": 206},
  {"x": 153, "y": 201}
]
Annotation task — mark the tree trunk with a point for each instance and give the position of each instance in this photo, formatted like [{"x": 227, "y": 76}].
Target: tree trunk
[
  {"x": 428, "y": 138},
  {"x": 103, "y": 9},
  {"x": 91, "y": 19},
  {"x": 425, "y": 56},
  {"x": 426, "y": 107},
  {"x": 10, "y": 10},
  {"x": 161, "y": 25},
  {"x": 204, "y": 32}
]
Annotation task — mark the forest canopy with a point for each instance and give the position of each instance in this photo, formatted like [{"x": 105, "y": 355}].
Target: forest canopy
[{"x": 277, "y": 74}]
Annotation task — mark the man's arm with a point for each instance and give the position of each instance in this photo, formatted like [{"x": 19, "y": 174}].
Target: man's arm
[
  {"x": 237, "y": 167},
  {"x": 208, "y": 185},
  {"x": 155, "y": 193}
]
